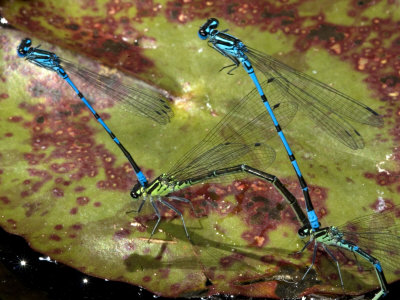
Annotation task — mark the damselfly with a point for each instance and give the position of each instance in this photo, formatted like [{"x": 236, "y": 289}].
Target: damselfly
[
  {"x": 233, "y": 147},
  {"x": 327, "y": 107},
  {"x": 374, "y": 237},
  {"x": 137, "y": 99}
]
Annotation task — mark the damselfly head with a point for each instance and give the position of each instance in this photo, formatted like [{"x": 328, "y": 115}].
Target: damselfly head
[
  {"x": 207, "y": 27},
  {"x": 304, "y": 231},
  {"x": 23, "y": 47},
  {"x": 137, "y": 190}
]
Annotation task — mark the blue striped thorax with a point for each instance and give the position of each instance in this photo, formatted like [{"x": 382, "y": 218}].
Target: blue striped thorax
[
  {"x": 39, "y": 57},
  {"x": 44, "y": 59},
  {"x": 223, "y": 42}
]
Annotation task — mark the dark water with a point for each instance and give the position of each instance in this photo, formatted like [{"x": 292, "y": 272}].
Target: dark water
[{"x": 41, "y": 279}]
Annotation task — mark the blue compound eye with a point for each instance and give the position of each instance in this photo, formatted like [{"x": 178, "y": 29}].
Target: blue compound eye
[
  {"x": 212, "y": 23},
  {"x": 23, "y": 47},
  {"x": 202, "y": 34},
  {"x": 207, "y": 27}
]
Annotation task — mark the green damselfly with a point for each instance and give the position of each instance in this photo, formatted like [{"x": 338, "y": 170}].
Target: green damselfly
[{"x": 235, "y": 146}]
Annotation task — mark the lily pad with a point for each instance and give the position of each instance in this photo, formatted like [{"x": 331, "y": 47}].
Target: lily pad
[{"x": 65, "y": 186}]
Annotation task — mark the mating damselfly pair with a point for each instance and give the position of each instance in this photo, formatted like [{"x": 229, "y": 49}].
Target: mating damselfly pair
[{"x": 236, "y": 146}]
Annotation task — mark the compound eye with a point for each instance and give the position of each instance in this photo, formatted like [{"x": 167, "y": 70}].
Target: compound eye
[
  {"x": 213, "y": 23},
  {"x": 24, "y": 47},
  {"x": 303, "y": 231},
  {"x": 28, "y": 42},
  {"x": 135, "y": 192},
  {"x": 202, "y": 34}
]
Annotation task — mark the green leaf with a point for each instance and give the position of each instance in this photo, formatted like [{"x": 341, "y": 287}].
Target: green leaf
[{"x": 64, "y": 185}]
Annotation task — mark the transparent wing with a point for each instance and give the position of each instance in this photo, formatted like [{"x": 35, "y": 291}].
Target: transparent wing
[
  {"x": 239, "y": 138},
  {"x": 226, "y": 155},
  {"x": 136, "y": 97},
  {"x": 378, "y": 234},
  {"x": 326, "y": 106}
]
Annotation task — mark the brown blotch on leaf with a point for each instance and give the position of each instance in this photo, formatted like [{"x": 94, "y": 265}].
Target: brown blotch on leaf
[
  {"x": 82, "y": 200},
  {"x": 55, "y": 237}
]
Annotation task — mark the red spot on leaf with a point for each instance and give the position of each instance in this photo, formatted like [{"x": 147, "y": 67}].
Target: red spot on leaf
[
  {"x": 58, "y": 192},
  {"x": 382, "y": 205},
  {"x": 76, "y": 226},
  {"x": 44, "y": 175},
  {"x": 63, "y": 168},
  {"x": 55, "y": 237},
  {"x": 39, "y": 173},
  {"x": 73, "y": 211},
  {"x": 121, "y": 234},
  {"x": 228, "y": 261},
  {"x": 58, "y": 227},
  {"x": 24, "y": 194},
  {"x": 82, "y": 200},
  {"x": 146, "y": 278},
  {"x": 97, "y": 204},
  {"x": 57, "y": 251},
  {"x": 383, "y": 178},
  {"x": 268, "y": 259},
  {"x": 13, "y": 223},
  {"x": 15, "y": 119},
  {"x": 5, "y": 200},
  {"x": 79, "y": 189}
]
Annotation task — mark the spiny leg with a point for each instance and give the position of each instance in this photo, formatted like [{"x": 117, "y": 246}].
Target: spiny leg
[
  {"x": 183, "y": 200},
  {"x": 304, "y": 247},
  {"x": 140, "y": 207},
  {"x": 235, "y": 66},
  {"x": 141, "y": 204},
  {"x": 337, "y": 264},
  {"x": 158, "y": 216},
  {"x": 356, "y": 259},
  {"x": 235, "y": 61},
  {"x": 178, "y": 212},
  {"x": 313, "y": 259},
  {"x": 358, "y": 263}
]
